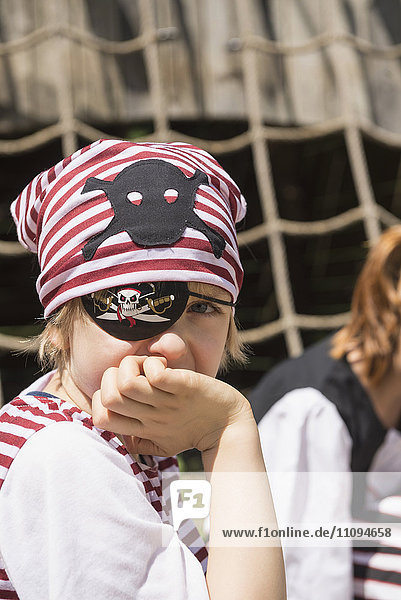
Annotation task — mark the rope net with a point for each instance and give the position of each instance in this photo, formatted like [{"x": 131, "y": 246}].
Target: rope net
[{"x": 292, "y": 71}]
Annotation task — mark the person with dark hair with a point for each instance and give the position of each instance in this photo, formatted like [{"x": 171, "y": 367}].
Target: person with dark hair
[{"x": 337, "y": 409}]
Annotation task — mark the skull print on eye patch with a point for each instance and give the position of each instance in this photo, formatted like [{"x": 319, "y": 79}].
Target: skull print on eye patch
[{"x": 153, "y": 201}]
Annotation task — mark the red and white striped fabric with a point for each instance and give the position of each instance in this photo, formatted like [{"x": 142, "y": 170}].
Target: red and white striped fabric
[
  {"x": 24, "y": 416},
  {"x": 55, "y": 220}
]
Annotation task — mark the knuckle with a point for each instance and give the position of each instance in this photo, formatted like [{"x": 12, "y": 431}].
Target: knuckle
[
  {"x": 109, "y": 400},
  {"x": 100, "y": 416},
  {"x": 125, "y": 384},
  {"x": 138, "y": 428},
  {"x": 109, "y": 396},
  {"x": 100, "y": 421},
  {"x": 131, "y": 364},
  {"x": 160, "y": 420},
  {"x": 126, "y": 360},
  {"x": 109, "y": 373},
  {"x": 108, "y": 378},
  {"x": 189, "y": 379}
]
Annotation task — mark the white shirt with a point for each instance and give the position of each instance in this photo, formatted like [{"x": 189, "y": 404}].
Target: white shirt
[
  {"x": 75, "y": 522},
  {"x": 303, "y": 434}
]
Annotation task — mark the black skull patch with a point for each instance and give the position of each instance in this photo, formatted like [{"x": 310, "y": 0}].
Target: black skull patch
[
  {"x": 153, "y": 201},
  {"x": 139, "y": 311}
]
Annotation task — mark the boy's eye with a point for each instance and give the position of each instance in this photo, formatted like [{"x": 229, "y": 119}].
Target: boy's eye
[{"x": 202, "y": 307}]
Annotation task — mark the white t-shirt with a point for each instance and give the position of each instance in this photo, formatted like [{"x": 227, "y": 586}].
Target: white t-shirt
[{"x": 75, "y": 520}]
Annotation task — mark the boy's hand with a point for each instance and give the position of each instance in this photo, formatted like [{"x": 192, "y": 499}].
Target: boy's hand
[{"x": 166, "y": 411}]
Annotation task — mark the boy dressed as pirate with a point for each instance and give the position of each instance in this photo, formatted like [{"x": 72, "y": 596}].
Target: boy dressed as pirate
[{"x": 139, "y": 275}]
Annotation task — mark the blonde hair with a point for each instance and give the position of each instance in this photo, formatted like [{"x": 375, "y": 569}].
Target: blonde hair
[
  {"x": 53, "y": 343},
  {"x": 375, "y": 324}
]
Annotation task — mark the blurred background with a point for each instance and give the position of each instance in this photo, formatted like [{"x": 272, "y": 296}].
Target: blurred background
[{"x": 298, "y": 99}]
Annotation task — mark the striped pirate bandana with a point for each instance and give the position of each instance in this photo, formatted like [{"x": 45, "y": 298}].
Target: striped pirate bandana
[{"x": 117, "y": 213}]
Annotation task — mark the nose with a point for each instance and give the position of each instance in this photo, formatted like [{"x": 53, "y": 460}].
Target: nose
[{"x": 170, "y": 345}]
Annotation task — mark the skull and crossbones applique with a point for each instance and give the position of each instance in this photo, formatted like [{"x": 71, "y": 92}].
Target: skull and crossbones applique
[
  {"x": 128, "y": 304},
  {"x": 153, "y": 201},
  {"x": 135, "y": 305}
]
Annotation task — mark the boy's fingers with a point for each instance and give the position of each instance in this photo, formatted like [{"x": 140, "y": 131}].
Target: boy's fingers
[
  {"x": 133, "y": 401},
  {"x": 174, "y": 381},
  {"x": 133, "y": 365},
  {"x": 153, "y": 368},
  {"x": 132, "y": 377},
  {"x": 111, "y": 421},
  {"x": 129, "y": 381}
]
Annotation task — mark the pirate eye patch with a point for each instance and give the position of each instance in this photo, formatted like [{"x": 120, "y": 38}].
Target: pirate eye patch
[{"x": 140, "y": 311}]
